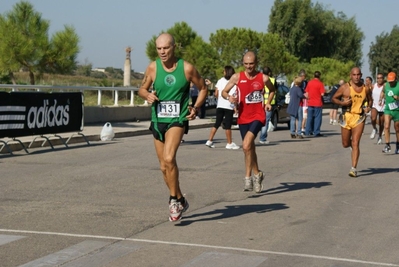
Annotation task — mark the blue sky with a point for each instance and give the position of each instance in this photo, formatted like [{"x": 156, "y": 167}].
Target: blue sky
[{"x": 107, "y": 27}]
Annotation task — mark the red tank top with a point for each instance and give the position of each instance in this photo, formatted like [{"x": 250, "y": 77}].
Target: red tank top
[{"x": 250, "y": 98}]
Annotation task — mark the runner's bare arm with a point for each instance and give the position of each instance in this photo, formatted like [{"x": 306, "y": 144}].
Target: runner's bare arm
[
  {"x": 382, "y": 96},
  {"x": 146, "y": 84},
  {"x": 369, "y": 99},
  {"x": 340, "y": 98},
  {"x": 233, "y": 81}
]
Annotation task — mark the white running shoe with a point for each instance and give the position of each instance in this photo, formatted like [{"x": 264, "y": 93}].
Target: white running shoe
[
  {"x": 373, "y": 132},
  {"x": 353, "y": 172},
  {"x": 210, "y": 144},
  {"x": 264, "y": 142},
  {"x": 232, "y": 146},
  {"x": 176, "y": 209},
  {"x": 248, "y": 184},
  {"x": 379, "y": 142},
  {"x": 257, "y": 181},
  {"x": 386, "y": 149}
]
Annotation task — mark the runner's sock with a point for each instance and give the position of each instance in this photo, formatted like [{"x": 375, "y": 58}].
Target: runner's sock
[{"x": 182, "y": 200}]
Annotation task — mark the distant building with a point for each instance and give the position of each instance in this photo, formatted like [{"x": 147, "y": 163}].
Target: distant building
[{"x": 98, "y": 69}]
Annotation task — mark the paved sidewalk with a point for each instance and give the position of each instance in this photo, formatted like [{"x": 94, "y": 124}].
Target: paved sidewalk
[
  {"x": 92, "y": 133},
  {"x": 127, "y": 129}
]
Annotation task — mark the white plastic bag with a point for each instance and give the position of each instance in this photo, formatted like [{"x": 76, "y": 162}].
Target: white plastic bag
[
  {"x": 107, "y": 133},
  {"x": 287, "y": 98},
  {"x": 270, "y": 127}
]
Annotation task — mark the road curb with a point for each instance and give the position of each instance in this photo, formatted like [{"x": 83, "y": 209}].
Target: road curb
[{"x": 38, "y": 141}]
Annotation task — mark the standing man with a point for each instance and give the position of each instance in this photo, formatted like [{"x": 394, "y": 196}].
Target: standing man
[
  {"x": 263, "y": 131},
  {"x": 377, "y": 110},
  {"x": 315, "y": 90},
  {"x": 304, "y": 103},
  {"x": 170, "y": 112},
  {"x": 334, "y": 108},
  {"x": 391, "y": 111},
  {"x": 251, "y": 115},
  {"x": 352, "y": 96}
]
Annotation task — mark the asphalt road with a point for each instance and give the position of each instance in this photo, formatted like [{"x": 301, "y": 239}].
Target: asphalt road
[{"x": 106, "y": 205}]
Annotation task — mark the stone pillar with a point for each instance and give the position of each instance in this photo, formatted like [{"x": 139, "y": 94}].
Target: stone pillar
[{"x": 127, "y": 68}]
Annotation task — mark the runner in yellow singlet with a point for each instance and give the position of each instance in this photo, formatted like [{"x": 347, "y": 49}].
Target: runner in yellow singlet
[{"x": 353, "y": 96}]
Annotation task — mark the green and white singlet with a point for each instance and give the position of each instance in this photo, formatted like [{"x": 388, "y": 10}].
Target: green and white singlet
[
  {"x": 173, "y": 92},
  {"x": 390, "y": 102}
]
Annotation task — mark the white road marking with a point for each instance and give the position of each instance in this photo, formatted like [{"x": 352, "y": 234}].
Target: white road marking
[
  {"x": 204, "y": 246},
  {"x": 105, "y": 256},
  {"x": 66, "y": 255}
]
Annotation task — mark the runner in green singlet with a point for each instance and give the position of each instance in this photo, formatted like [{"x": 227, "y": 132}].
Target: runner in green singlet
[
  {"x": 390, "y": 94},
  {"x": 170, "y": 77}
]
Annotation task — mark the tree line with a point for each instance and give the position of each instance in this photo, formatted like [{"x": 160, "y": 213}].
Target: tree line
[{"x": 300, "y": 35}]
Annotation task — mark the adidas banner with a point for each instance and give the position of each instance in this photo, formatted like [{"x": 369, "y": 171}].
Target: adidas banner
[{"x": 39, "y": 113}]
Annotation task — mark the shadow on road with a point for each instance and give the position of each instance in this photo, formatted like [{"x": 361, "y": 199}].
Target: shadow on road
[
  {"x": 231, "y": 211},
  {"x": 286, "y": 187},
  {"x": 371, "y": 171}
]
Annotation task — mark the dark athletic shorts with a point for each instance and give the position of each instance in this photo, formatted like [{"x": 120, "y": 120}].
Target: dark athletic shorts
[
  {"x": 159, "y": 129},
  {"x": 227, "y": 114},
  {"x": 253, "y": 127},
  {"x": 334, "y": 106},
  {"x": 379, "y": 112}
]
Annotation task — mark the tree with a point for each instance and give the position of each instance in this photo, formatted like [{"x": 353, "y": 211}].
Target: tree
[
  {"x": 191, "y": 48},
  {"x": 346, "y": 39},
  {"x": 183, "y": 35},
  {"x": 204, "y": 57},
  {"x": 309, "y": 31},
  {"x": 384, "y": 53},
  {"x": 24, "y": 43},
  {"x": 231, "y": 45},
  {"x": 332, "y": 70},
  {"x": 274, "y": 54},
  {"x": 84, "y": 69},
  {"x": 61, "y": 53},
  {"x": 4, "y": 78}
]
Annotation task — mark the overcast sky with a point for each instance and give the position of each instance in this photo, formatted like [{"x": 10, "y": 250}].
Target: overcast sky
[{"x": 107, "y": 27}]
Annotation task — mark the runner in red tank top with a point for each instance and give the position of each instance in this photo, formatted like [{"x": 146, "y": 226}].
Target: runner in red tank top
[
  {"x": 250, "y": 86},
  {"x": 250, "y": 99}
]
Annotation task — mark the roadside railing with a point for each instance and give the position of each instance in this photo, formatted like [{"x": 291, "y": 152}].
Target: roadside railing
[{"x": 57, "y": 88}]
